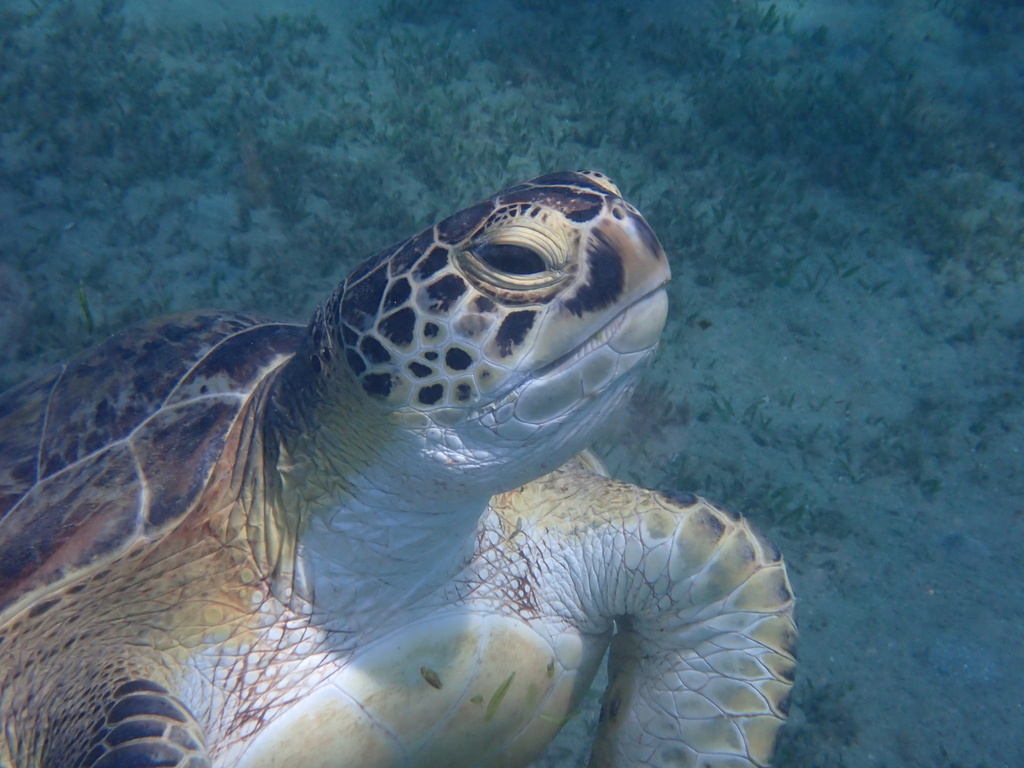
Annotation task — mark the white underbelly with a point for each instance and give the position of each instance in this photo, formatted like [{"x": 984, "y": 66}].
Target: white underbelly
[{"x": 452, "y": 690}]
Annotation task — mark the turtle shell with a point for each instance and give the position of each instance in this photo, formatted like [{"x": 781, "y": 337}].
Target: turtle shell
[{"x": 113, "y": 450}]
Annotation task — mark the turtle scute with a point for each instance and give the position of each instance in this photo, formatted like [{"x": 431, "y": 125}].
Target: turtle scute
[{"x": 114, "y": 448}]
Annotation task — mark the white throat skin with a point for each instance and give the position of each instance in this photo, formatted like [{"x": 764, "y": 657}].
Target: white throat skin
[
  {"x": 394, "y": 537},
  {"x": 381, "y": 522},
  {"x": 398, "y": 521}
]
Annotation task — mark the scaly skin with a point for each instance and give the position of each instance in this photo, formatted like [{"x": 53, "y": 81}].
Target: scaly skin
[
  {"x": 703, "y": 657},
  {"x": 481, "y": 673},
  {"x": 486, "y": 670}
]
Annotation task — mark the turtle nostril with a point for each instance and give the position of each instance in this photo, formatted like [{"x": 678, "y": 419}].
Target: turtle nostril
[{"x": 510, "y": 259}]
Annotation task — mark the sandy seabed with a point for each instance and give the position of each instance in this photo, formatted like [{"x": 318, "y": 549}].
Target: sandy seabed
[{"x": 838, "y": 184}]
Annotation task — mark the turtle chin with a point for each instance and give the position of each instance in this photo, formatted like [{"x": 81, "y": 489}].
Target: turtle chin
[{"x": 555, "y": 411}]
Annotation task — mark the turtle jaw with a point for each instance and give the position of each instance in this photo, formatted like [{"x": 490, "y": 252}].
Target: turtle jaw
[
  {"x": 600, "y": 367},
  {"x": 554, "y": 411},
  {"x": 636, "y": 330}
]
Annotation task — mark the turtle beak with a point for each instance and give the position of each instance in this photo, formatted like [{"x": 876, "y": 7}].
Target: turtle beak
[
  {"x": 645, "y": 274},
  {"x": 618, "y": 289},
  {"x": 642, "y": 324}
]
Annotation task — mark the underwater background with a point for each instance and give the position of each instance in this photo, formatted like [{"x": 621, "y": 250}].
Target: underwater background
[{"x": 840, "y": 187}]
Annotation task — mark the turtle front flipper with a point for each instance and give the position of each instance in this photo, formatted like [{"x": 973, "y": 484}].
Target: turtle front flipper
[
  {"x": 144, "y": 725},
  {"x": 702, "y": 659}
]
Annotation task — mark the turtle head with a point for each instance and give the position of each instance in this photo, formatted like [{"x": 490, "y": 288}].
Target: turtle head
[{"x": 504, "y": 334}]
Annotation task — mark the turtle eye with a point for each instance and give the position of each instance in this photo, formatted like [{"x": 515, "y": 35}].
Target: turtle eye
[
  {"x": 519, "y": 256},
  {"x": 510, "y": 259}
]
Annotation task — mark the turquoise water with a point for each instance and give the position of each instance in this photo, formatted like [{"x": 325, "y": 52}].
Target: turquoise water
[{"x": 839, "y": 186}]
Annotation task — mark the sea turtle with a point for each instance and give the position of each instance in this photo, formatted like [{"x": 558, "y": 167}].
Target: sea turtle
[{"x": 371, "y": 541}]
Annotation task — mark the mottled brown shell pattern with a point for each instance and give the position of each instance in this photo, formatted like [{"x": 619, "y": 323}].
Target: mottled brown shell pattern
[{"x": 116, "y": 446}]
